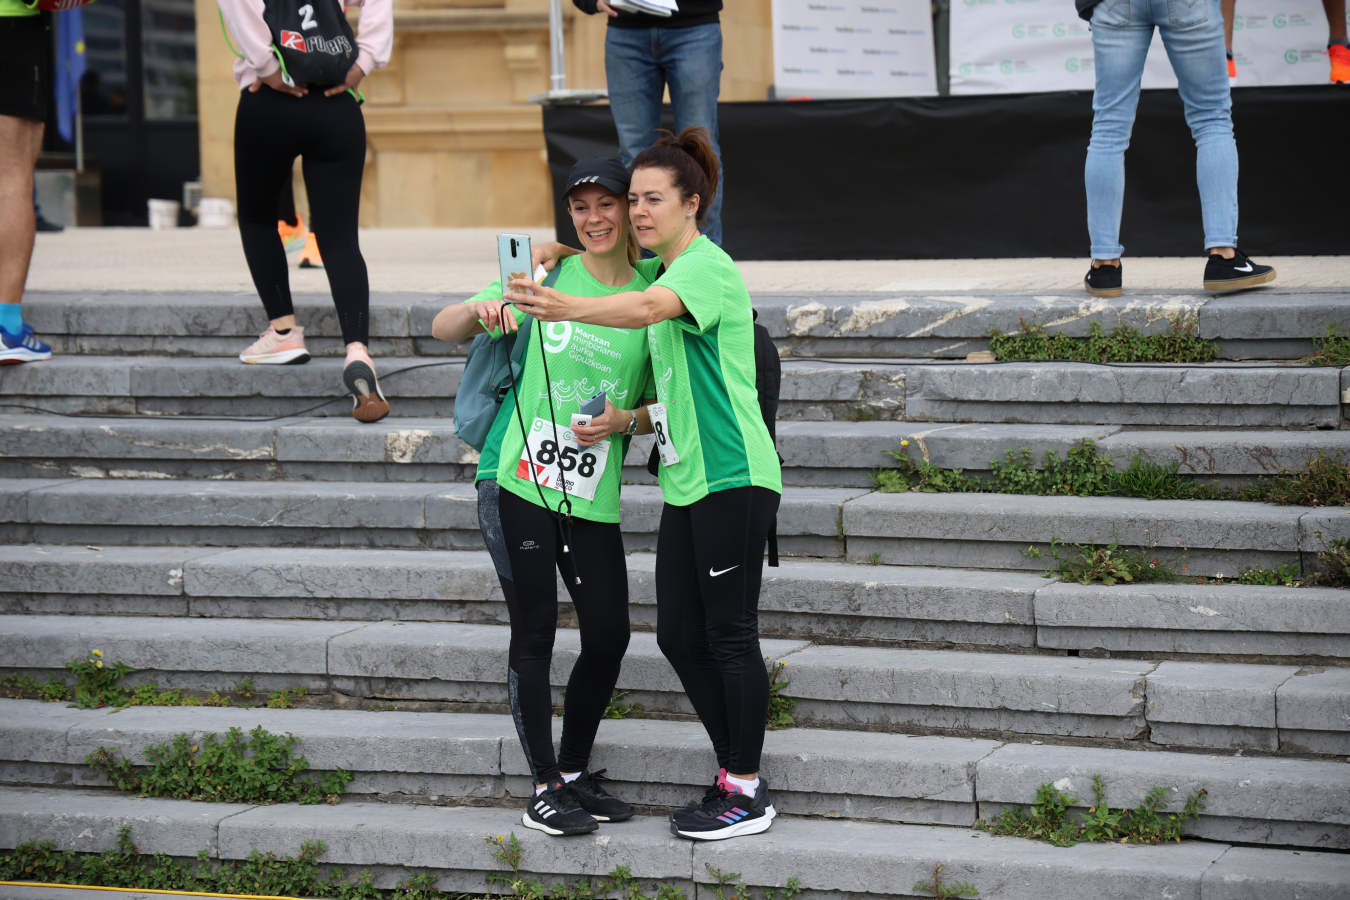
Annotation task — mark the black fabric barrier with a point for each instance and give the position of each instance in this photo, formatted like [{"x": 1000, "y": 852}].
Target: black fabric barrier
[{"x": 999, "y": 176}]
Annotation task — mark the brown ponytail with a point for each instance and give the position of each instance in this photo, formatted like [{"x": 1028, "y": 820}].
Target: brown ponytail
[{"x": 690, "y": 159}]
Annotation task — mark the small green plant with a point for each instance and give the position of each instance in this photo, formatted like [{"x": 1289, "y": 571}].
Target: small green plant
[
  {"x": 1122, "y": 344},
  {"x": 285, "y": 698},
  {"x": 1335, "y": 557},
  {"x": 1109, "y": 564},
  {"x": 421, "y": 886},
  {"x": 942, "y": 890},
  {"x": 617, "y": 709},
  {"x": 244, "y": 689},
  {"x": 1286, "y": 574},
  {"x": 1333, "y": 349},
  {"x": 780, "y": 705},
  {"x": 232, "y": 769},
  {"x": 1148, "y": 480},
  {"x": 730, "y": 886},
  {"x": 96, "y": 684},
  {"x": 18, "y": 687},
  {"x": 873, "y": 559},
  {"x": 1323, "y": 481},
  {"x": 1050, "y": 818}
]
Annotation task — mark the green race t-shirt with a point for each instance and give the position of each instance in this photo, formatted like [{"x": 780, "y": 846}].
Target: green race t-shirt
[
  {"x": 582, "y": 361},
  {"x": 704, "y": 366}
]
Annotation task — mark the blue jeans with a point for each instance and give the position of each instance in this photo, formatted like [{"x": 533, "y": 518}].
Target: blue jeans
[
  {"x": 639, "y": 64},
  {"x": 1192, "y": 33}
]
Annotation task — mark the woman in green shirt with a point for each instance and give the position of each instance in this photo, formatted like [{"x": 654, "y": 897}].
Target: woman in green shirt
[
  {"x": 719, "y": 473},
  {"x": 548, "y": 497}
]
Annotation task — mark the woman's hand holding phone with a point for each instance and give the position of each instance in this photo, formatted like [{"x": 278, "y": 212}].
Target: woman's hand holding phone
[
  {"x": 532, "y": 298},
  {"x": 611, "y": 421}
]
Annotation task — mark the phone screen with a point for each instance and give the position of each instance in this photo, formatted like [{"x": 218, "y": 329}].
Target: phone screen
[{"x": 513, "y": 257}]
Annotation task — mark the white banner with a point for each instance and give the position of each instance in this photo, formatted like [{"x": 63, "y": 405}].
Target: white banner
[
  {"x": 853, "y": 48},
  {"x": 1017, "y": 46}
]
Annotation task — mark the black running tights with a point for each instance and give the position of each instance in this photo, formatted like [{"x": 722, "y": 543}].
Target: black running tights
[
  {"x": 709, "y": 561},
  {"x": 329, "y": 135},
  {"x": 525, "y": 542}
]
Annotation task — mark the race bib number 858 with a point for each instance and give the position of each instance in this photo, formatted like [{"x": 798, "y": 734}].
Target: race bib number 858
[{"x": 552, "y": 455}]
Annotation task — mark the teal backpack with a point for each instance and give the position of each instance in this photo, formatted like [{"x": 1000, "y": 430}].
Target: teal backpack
[{"x": 492, "y": 366}]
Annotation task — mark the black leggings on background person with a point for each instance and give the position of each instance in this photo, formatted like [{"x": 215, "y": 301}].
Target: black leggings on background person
[
  {"x": 709, "y": 561},
  {"x": 329, "y": 135},
  {"x": 526, "y": 548}
]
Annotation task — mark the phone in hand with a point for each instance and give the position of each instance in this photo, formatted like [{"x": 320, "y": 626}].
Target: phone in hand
[
  {"x": 589, "y": 410},
  {"x": 513, "y": 257}
]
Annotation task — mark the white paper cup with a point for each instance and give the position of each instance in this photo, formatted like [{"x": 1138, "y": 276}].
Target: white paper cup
[
  {"x": 163, "y": 214},
  {"x": 215, "y": 212}
]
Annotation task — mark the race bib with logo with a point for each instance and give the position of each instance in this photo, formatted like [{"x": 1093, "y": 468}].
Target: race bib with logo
[
  {"x": 665, "y": 441},
  {"x": 553, "y": 458}
]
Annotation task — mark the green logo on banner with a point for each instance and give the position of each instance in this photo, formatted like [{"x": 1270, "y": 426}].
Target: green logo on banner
[
  {"x": 1019, "y": 32},
  {"x": 1291, "y": 56},
  {"x": 1060, "y": 29},
  {"x": 1281, "y": 20},
  {"x": 967, "y": 68},
  {"x": 1071, "y": 64},
  {"x": 1237, "y": 22},
  {"x": 1006, "y": 67}
]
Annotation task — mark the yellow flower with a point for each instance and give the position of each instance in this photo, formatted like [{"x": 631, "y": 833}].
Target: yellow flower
[
  {"x": 904, "y": 443},
  {"x": 98, "y": 664},
  {"x": 96, "y": 652}
]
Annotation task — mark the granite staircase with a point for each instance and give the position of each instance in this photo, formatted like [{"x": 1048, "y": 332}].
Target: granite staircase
[{"x": 207, "y": 523}]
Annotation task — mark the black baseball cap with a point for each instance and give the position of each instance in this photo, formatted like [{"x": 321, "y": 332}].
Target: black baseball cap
[{"x": 607, "y": 172}]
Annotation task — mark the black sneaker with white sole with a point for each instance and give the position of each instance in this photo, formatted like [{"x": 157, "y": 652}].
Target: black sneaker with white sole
[
  {"x": 1236, "y": 273},
  {"x": 555, "y": 810},
  {"x": 725, "y": 815},
  {"x": 1104, "y": 280},
  {"x": 600, "y": 803}
]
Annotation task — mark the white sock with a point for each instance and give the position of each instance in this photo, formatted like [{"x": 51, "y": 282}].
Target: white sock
[
  {"x": 539, "y": 789},
  {"x": 571, "y": 778},
  {"x": 748, "y": 788}
]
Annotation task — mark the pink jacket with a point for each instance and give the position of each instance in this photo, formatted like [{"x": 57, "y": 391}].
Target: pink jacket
[{"x": 244, "y": 18}]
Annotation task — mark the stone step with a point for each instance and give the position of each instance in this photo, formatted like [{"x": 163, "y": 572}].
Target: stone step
[
  {"x": 992, "y": 531},
  {"x": 294, "y": 513},
  {"x": 835, "y": 859},
  {"x": 1276, "y": 324},
  {"x": 458, "y": 757},
  {"x": 1226, "y": 395},
  {"x": 1162, "y": 704},
  {"x": 1194, "y": 537},
  {"x": 804, "y": 599},
  {"x": 826, "y": 454}
]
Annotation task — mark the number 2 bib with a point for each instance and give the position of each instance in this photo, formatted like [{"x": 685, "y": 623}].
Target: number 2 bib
[{"x": 582, "y": 467}]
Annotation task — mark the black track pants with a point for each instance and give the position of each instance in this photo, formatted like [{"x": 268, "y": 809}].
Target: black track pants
[
  {"x": 526, "y": 548},
  {"x": 329, "y": 135},
  {"x": 709, "y": 560}
]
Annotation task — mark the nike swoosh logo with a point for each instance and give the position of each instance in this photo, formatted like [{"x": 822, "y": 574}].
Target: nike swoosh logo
[
  {"x": 713, "y": 574},
  {"x": 1246, "y": 268}
]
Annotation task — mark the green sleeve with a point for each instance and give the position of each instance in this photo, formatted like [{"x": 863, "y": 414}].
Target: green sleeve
[{"x": 697, "y": 280}]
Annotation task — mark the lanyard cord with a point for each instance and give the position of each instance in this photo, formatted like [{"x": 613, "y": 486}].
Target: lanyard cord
[{"x": 564, "y": 511}]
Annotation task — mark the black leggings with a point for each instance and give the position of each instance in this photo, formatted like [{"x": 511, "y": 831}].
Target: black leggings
[
  {"x": 709, "y": 560},
  {"x": 329, "y": 134},
  {"x": 525, "y": 545}
]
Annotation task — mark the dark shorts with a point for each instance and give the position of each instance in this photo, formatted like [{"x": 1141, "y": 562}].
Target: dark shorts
[{"x": 25, "y": 67}]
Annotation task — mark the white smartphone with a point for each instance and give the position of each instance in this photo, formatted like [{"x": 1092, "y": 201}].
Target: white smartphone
[{"x": 513, "y": 257}]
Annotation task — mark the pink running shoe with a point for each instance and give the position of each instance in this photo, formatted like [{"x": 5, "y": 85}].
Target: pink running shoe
[{"x": 272, "y": 349}]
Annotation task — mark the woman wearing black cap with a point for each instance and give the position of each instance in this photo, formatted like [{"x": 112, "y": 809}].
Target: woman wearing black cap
[
  {"x": 530, "y": 526},
  {"x": 720, "y": 476}
]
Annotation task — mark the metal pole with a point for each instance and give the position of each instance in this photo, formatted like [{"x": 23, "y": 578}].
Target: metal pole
[
  {"x": 79, "y": 135},
  {"x": 558, "y": 78}
]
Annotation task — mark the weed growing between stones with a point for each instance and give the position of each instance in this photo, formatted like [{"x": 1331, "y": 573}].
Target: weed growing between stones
[
  {"x": 1050, "y": 818},
  {"x": 617, "y": 709},
  {"x": 618, "y": 883},
  {"x": 259, "y": 769},
  {"x": 19, "y": 687},
  {"x": 1123, "y": 344},
  {"x": 730, "y": 886},
  {"x": 125, "y": 867},
  {"x": 96, "y": 684},
  {"x": 285, "y": 698},
  {"x": 1286, "y": 574},
  {"x": 943, "y": 890},
  {"x": 1335, "y": 556},
  {"x": 1085, "y": 472},
  {"x": 1333, "y": 349},
  {"x": 99, "y": 684},
  {"x": 1109, "y": 564},
  {"x": 780, "y": 706}
]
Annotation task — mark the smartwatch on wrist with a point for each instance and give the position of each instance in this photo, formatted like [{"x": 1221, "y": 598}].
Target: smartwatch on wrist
[{"x": 632, "y": 424}]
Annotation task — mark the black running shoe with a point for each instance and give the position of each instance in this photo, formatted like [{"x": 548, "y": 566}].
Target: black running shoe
[
  {"x": 555, "y": 810},
  {"x": 600, "y": 803},
  {"x": 1236, "y": 273},
  {"x": 1104, "y": 280},
  {"x": 725, "y": 815},
  {"x": 709, "y": 795}
]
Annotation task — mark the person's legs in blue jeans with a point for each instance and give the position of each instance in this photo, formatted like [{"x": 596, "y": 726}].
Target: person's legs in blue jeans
[
  {"x": 691, "y": 59},
  {"x": 635, "y": 84},
  {"x": 1121, "y": 33},
  {"x": 1193, "y": 36}
]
